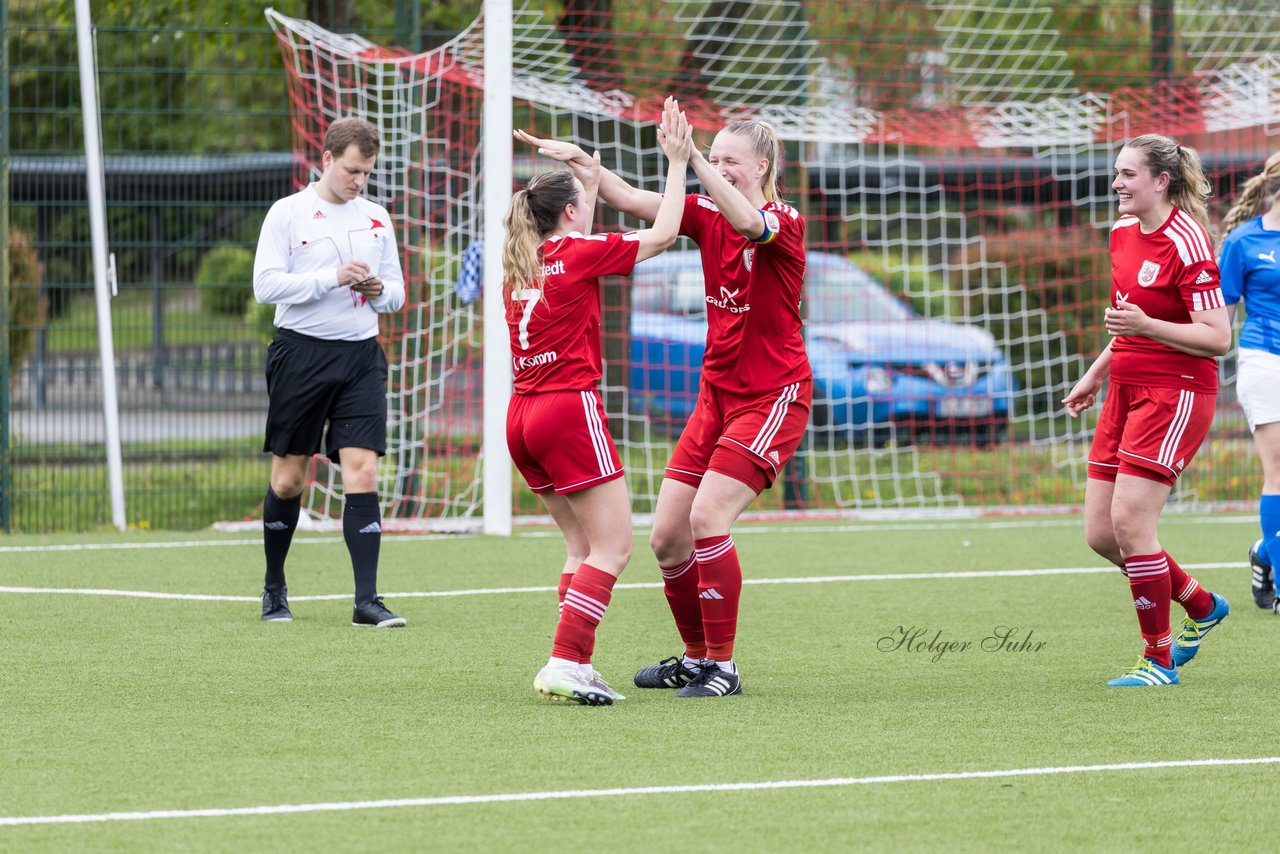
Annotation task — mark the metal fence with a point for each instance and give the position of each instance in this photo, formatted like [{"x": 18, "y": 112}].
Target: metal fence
[
  {"x": 197, "y": 131},
  {"x": 196, "y": 134}
]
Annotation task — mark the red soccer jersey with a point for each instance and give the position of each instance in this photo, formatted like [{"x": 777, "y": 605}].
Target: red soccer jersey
[
  {"x": 1168, "y": 273},
  {"x": 555, "y": 329},
  {"x": 755, "y": 342}
]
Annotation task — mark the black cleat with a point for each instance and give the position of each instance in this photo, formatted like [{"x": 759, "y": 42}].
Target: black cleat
[
  {"x": 375, "y": 615},
  {"x": 712, "y": 682},
  {"x": 1264, "y": 589},
  {"x": 668, "y": 673},
  {"x": 275, "y": 606}
]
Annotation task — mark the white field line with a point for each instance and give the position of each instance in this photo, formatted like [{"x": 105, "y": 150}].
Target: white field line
[
  {"x": 960, "y": 525},
  {"x": 491, "y": 591},
  {"x": 515, "y": 797}
]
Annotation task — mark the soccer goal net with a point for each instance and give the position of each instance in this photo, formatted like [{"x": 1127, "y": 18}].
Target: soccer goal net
[{"x": 953, "y": 163}]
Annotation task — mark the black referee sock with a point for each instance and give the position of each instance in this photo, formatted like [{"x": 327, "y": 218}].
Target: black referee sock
[
  {"x": 279, "y": 521},
  {"x": 362, "y": 529}
]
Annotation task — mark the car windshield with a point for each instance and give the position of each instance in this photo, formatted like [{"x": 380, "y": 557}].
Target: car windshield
[
  {"x": 839, "y": 294},
  {"x": 850, "y": 296},
  {"x": 669, "y": 291}
]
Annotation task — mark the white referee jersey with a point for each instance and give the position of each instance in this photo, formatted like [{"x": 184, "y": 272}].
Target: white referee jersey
[{"x": 304, "y": 241}]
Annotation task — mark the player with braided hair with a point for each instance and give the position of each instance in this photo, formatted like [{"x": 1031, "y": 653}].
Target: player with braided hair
[{"x": 1250, "y": 271}]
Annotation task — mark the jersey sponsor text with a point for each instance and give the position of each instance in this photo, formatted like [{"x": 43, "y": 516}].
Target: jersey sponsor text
[
  {"x": 728, "y": 301},
  {"x": 519, "y": 363}
]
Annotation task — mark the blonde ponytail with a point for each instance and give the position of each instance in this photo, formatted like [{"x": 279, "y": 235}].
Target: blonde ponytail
[
  {"x": 532, "y": 215},
  {"x": 1259, "y": 191},
  {"x": 521, "y": 261}
]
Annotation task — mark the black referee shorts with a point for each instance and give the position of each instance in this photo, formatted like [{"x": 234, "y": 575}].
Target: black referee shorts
[{"x": 311, "y": 381}]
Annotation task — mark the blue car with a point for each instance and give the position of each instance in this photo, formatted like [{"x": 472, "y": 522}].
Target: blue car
[{"x": 880, "y": 371}]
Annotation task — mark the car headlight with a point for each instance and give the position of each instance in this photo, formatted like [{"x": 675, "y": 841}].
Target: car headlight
[{"x": 878, "y": 381}]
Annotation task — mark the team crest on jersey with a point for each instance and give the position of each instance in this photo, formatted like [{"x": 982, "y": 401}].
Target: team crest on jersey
[
  {"x": 1147, "y": 275},
  {"x": 748, "y": 255}
]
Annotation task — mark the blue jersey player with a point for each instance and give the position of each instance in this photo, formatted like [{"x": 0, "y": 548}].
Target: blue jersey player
[{"x": 1250, "y": 267}]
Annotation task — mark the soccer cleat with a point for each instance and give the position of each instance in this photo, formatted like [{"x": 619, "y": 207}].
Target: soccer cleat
[
  {"x": 566, "y": 682},
  {"x": 1193, "y": 631},
  {"x": 596, "y": 681},
  {"x": 275, "y": 606},
  {"x": 668, "y": 673},
  {"x": 1264, "y": 588},
  {"x": 1146, "y": 674},
  {"x": 711, "y": 681},
  {"x": 375, "y": 615}
]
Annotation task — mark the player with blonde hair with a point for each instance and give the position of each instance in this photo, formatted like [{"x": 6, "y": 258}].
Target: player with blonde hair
[
  {"x": 557, "y": 430},
  {"x": 1250, "y": 271},
  {"x": 754, "y": 397}
]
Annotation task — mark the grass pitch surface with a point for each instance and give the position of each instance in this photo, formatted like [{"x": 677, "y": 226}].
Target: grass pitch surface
[{"x": 176, "y": 722}]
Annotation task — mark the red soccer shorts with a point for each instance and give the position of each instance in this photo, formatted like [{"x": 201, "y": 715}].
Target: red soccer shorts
[
  {"x": 746, "y": 437},
  {"x": 1149, "y": 432},
  {"x": 560, "y": 440}
]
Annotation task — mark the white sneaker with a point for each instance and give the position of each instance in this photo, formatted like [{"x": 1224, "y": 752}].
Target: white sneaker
[
  {"x": 566, "y": 682},
  {"x": 596, "y": 681}
]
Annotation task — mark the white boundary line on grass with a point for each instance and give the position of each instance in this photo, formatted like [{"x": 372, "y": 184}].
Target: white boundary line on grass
[
  {"x": 513, "y": 797},
  {"x": 639, "y": 585},
  {"x": 796, "y": 528}
]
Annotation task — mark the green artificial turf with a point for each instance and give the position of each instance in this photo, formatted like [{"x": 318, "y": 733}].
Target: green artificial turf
[{"x": 118, "y": 705}]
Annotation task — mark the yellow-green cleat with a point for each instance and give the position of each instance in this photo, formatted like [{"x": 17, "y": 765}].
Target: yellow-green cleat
[{"x": 566, "y": 682}]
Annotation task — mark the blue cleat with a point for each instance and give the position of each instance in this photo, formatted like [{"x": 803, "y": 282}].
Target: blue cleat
[
  {"x": 1193, "y": 631},
  {"x": 1146, "y": 674}
]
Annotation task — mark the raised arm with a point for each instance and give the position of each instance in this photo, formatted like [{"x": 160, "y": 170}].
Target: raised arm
[
  {"x": 590, "y": 178},
  {"x": 616, "y": 192},
  {"x": 676, "y": 139},
  {"x": 741, "y": 214}
]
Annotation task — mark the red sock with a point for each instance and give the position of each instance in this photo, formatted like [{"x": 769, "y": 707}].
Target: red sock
[
  {"x": 1188, "y": 591},
  {"x": 680, "y": 583},
  {"x": 566, "y": 578},
  {"x": 1149, "y": 581},
  {"x": 1158, "y": 648},
  {"x": 584, "y": 605},
  {"x": 719, "y": 589}
]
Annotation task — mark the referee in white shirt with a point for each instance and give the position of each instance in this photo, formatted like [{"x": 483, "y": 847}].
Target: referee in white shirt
[{"x": 327, "y": 260}]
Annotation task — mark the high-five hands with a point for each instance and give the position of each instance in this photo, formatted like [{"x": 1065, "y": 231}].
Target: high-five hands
[
  {"x": 674, "y": 133},
  {"x": 565, "y": 152}
]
